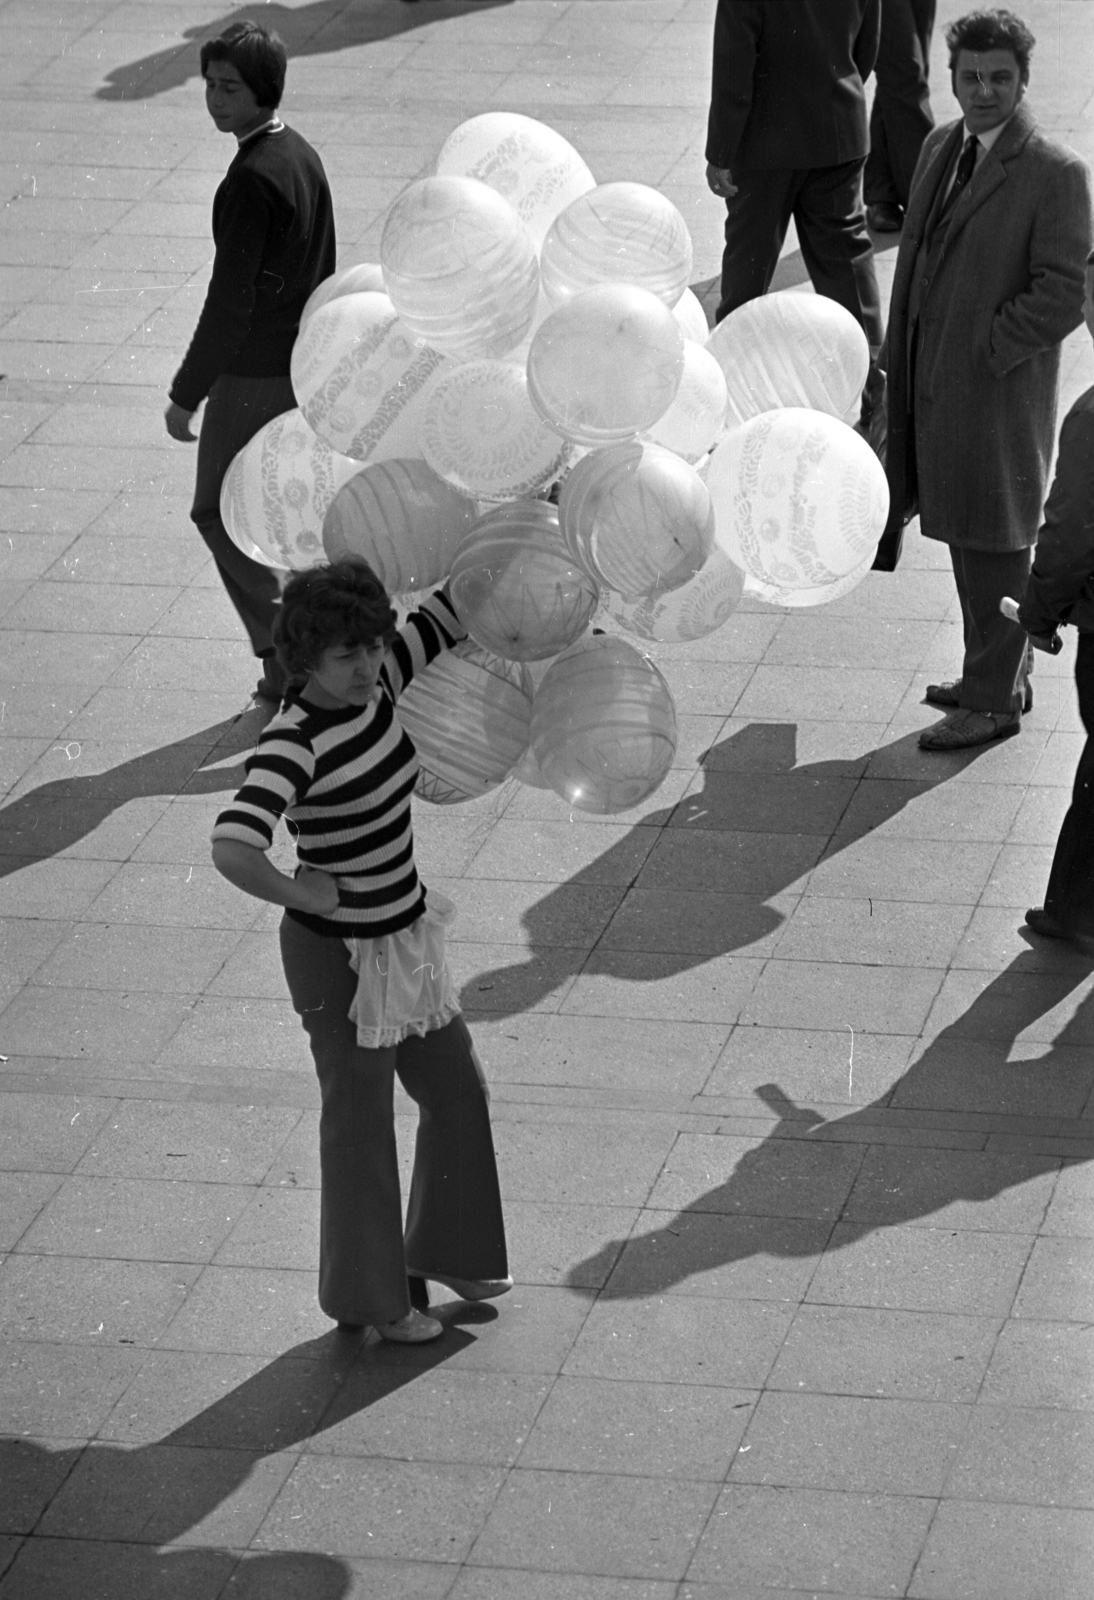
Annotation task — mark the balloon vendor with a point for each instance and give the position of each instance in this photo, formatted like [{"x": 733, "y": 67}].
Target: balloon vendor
[{"x": 362, "y": 945}]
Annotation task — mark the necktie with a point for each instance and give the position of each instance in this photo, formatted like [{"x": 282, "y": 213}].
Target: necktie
[{"x": 965, "y": 166}]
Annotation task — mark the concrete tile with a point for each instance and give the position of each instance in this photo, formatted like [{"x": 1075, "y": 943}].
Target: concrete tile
[
  {"x": 290, "y": 1573},
  {"x": 690, "y": 923},
  {"x": 253, "y": 968},
  {"x": 220, "y": 1032},
  {"x": 755, "y": 1258},
  {"x": 69, "y": 1301},
  {"x": 498, "y": 1583},
  {"x": 55, "y": 890},
  {"x": 52, "y": 1390},
  {"x": 475, "y": 1417},
  {"x": 1043, "y": 1457},
  {"x": 572, "y": 1244},
  {"x": 90, "y": 607},
  {"x": 649, "y": 1429},
  {"x": 899, "y": 1355},
  {"x": 595, "y": 1523},
  {"x": 557, "y": 852},
  {"x": 978, "y": 1552},
  {"x": 891, "y": 933},
  {"x": 130, "y": 957},
  {"x": 1034, "y": 1006},
  {"x": 171, "y": 895},
  {"x": 1041, "y": 1364},
  {"x": 569, "y": 914},
  {"x": 49, "y": 510},
  {"x": 192, "y": 1142},
  {"x": 921, "y": 1269},
  {"x": 508, "y": 979},
  {"x": 680, "y": 1339},
  {"x": 643, "y": 984},
  {"x": 248, "y": 1311},
  {"x": 1071, "y": 1209},
  {"x": 49, "y": 1133},
  {"x": 394, "y": 1509},
  {"x": 50, "y": 1021},
  {"x": 765, "y": 1540},
  {"x": 574, "y": 1163},
  {"x": 806, "y": 750},
  {"x": 950, "y": 873},
  {"x": 900, "y": 1447},
  {"x": 722, "y": 862},
  {"x": 104, "y": 554},
  {"x": 774, "y": 1177},
  {"x": 766, "y": 802},
  {"x": 996, "y": 936},
  {"x": 1058, "y": 1283},
  {"x": 33, "y": 1472},
  {"x": 131, "y": 1219},
  {"x": 1020, "y": 873},
  {"x": 828, "y": 994},
  {"x": 825, "y": 694},
  {"x": 530, "y": 1330},
  {"x": 40, "y": 711},
  {"x": 937, "y": 812},
  {"x": 811, "y": 1063},
  {"x": 966, "y": 1189},
  {"x": 977, "y": 1076},
  {"x": 29, "y": 555},
  {"x": 277, "y": 1228},
  {"x": 615, "y": 1053},
  {"x": 22, "y": 1196},
  {"x": 26, "y": 944}
]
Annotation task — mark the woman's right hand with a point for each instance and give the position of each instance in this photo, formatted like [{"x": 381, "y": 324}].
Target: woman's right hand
[{"x": 316, "y": 892}]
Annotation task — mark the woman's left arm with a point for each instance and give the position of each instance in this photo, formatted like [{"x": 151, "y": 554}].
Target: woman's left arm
[{"x": 431, "y": 629}]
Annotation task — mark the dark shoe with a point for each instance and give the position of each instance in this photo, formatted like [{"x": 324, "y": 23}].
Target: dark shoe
[
  {"x": 949, "y": 694},
  {"x": 1042, "y": 922},
  {"x": 884, "y": 216},
  {"x": 964, "y": 730},
  {"x": 467, "y": 1288}
]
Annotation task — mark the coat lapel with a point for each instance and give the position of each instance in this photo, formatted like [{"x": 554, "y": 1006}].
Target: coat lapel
[{"x": 991, "y": 172}]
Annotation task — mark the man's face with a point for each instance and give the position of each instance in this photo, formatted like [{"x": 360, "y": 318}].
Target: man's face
[
  {"x": 988, "y": 85},
  {"x": 231, "y": 104}
]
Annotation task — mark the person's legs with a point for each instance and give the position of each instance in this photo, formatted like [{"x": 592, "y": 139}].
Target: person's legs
[
  {"x": 835, "y": 246},
  {"x": 1069, "y": 898},
  {"x": 757, "y": 218},
  {"x": 454, "y": 1219},
  {"x": 236, "y": 409},
  {"x": 901, "y": 117},
  {"x": 362, "y": 1264},
  {"x": 993, "y": 674}
]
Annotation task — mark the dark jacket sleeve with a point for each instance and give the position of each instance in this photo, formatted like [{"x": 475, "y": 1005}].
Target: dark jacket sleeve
[
  {"x": 869, "y": 40},
  {"x": 1064, "y": 563},
  {"x": 737, "y": 27},
  {"x": 243, "y": 221}
]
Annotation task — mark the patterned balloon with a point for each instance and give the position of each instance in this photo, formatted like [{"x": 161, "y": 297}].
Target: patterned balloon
[
  {"x": 469, "y": 714},
  {"x": 696, "y": 419},
  {"x": 790, "y": 349},
  {"x": 603, "y": 725},
  {"x": 798, "y": 599},
  {"x": 637, "y": 517},
  {"x": 617, "y": 233},
  {"x": 358, "y": 374},
  {"x": 402, "y": 519},
  {"x": 697, "y": 608},
  {"x": 606, "y": 364},
  {"x": 516, "y": 587},
  {"x": 481, "y": 433},
  {"x": 460, "y": 267},
  {"x": 365, "y": 278},
  {"x": 276, "y": 492},
  {"x": 689, "y": 313},
  {"x": 800, "y": 499},
  {"x": 528, "y": 163}
]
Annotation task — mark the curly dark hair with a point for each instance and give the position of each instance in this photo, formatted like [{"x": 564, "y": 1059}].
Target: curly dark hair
[
  {"x": 341, "y": 604},
  {"x": 992, "y": 30},
  {"x": 259, "y": 57}
]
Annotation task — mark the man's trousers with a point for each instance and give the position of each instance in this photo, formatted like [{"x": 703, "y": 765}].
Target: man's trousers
[
  {"x": 236, "y": 409},
  {"x": 1070, "y": 893},
  {"x": 826, "y": 205},
  {"x": 901, "y": 117},
  {"x": 997, "y": 652},
  {"x": 454, "y": 1219}
]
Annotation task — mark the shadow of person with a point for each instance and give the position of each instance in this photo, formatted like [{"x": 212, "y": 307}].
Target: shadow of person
[
  {"x": 749, "y": 780},
  {"x": 100, "y": 1516},
  {"x": 56, "y": 815},
  {"x": 817, "y": 1183},
  {"x": 321, "y": 28}
]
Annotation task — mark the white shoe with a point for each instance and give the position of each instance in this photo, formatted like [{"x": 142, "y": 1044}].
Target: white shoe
[{"x": 414, "y": 1328}]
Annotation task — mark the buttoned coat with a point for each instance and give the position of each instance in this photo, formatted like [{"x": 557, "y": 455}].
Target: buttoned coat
[{"x": 978, "y": 415}]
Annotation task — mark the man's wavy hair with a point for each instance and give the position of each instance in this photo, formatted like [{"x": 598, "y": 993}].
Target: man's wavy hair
[
  {"x": 259, "y": 57},
  {"x": 991, "y": 30},
  {"x": 340, "y": 605}
]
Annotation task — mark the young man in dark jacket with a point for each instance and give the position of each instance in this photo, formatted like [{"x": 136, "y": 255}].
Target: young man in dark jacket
[
  {"x": 1061, "y": 589},
  {"x": 273, "y": 227}
]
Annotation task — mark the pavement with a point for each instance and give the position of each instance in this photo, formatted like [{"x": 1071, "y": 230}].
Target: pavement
[{"x": 794, "y": 1123}]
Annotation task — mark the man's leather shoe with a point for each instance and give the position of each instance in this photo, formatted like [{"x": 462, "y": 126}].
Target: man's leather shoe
[
  {"x": 964, "y": 730},
  {"x": 949, "y": 694},
  {"x": 884, "y": 216},
  {"x": 1038, "y": 920}
]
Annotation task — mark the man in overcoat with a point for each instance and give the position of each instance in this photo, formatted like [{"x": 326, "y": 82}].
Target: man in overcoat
[
  {"x": 989, "y": 280},
  {"x": 787, "y": 137}
]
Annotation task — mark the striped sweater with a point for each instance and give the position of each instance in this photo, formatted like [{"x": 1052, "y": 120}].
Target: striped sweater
[{"x": 343, "y": 781}]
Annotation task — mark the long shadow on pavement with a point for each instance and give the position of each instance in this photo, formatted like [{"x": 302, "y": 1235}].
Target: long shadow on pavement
[{"x": 321, "y": 28}]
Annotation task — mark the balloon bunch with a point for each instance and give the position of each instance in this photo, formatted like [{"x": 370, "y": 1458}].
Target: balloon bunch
[{"x": 521, "y": 398}]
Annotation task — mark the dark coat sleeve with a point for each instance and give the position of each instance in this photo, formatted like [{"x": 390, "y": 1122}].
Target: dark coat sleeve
[
  {"x": 737, "y": 28},
  {"x": 1064, "y": 563},
  {"x": 243, "y": 221},
  {"x": 868, "y": 42}
]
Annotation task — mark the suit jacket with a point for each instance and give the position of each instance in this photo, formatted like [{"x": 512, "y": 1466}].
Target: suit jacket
[
  {"x": 787, "y": 82},
  {"x": 975, "y": 422},
  {"x": 1061, "y": 585}
]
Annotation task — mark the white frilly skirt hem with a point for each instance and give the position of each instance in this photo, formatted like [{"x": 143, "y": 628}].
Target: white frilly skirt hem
[{"x": 404, "y": 987}]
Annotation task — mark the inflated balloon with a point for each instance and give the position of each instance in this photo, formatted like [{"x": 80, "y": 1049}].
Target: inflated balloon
[
  {"x": 790, "y": 349},
  {"x": 637, "y": 517},
  {"x": 401, "y": 518},
  {"x": 460, "y": 267},
  {"x": 617, "y": 233},
  {"x": 515, "y": 586},
  {"x": 800, "y": 598},
  {"x": 800, "y": 500},
  {"x": 276, "y": 492},
  {"x": 696, "y": 419},
  {"x": 469, "y": 714},
  {"x": 697, "y": 608},
  {"x": 606, "y": 364},
  {"x": 689, "y": 313},
  {"x": 603, "y": 725},
  {"x": 528, "y": 163},
  {"x": 365, "y": 278},
  {"x": 482, "y": 434},
  {"x": 358, "y": 374}
]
